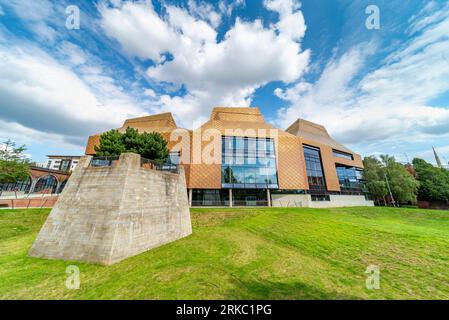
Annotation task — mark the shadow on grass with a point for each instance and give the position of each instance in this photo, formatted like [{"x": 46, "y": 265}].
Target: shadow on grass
[{"x": 271, "y": 290}]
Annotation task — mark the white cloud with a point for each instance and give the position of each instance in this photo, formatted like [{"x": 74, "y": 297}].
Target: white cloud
[
  {"x": 387, "y": 106},
  {"x": 205, "y": 11},
  {"x": 37, "y": 14},
  {"x": 25, "y": 135},
  {"x": 228, "y": 8},
  {"x": 139, "y": 29},
  {"x": 41, "y": 94},
  {"x": 72, "y": 53},
  {"x": 291, "y": 21},
  {"x": 225, "y": 72},
  {"x": 150, "y": 93}
]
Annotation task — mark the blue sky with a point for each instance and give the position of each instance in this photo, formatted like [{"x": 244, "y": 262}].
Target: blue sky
[{"x": 378, "y": 91}]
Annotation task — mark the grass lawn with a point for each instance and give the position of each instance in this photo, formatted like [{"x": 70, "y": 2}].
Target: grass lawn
[{"x": 251, "y": 254}]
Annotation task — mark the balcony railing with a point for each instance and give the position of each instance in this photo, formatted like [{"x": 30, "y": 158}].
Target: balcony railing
[
  {"x": 159, "y": 165},
  {"x": 110, "y": 161}
]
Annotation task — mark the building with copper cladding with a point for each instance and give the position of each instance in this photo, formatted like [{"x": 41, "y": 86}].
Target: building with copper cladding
[{"x": 238, "y": 159}]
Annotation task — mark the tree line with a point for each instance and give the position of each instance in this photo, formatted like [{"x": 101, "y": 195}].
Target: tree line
[{"x": 389, "y": 182}]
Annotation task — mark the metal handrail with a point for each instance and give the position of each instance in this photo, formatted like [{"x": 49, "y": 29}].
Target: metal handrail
[
  {"x": 108, "y": 161},
  {"x": 158, "y": 165}
]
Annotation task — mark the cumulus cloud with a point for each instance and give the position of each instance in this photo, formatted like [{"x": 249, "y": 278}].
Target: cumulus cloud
[
  {"x": 205, "y": 11},
  {"x": 227, "y": 8},
  {"x": 138, "y": 28},
  {"x": 185, "y": 50},
  {"x": 43, "y": 95},
  {"x": 37, "y": 14},
  {"x": 28, "y": 136},
  {"x": 291, "y": 20},
  {"x": 390, "y": 103}
]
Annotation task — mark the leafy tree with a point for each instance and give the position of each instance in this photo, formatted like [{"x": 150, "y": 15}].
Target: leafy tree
[
  {"x": 13, "y": 163},
  {"x": 375, "y": 181},
  {"x": 403, "y": 185},
  {"x": 434, "y": 182},
  {"x": 148, "y": 145}
]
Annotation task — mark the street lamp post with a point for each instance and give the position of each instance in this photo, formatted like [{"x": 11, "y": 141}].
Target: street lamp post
[{"x": 389, "y": 190}]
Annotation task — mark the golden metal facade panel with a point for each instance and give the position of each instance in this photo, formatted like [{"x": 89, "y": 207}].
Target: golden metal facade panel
[
  {"x": 330, "y": 171},
  {"x": 290, "y": 163},
  {"x": 205, "y": 161},
  {"x": 91, "y": 143},
  {"x": 203, "y": 174}
]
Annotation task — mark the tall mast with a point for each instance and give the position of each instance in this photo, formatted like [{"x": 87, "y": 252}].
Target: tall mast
[{"x": 437, "y": 158}]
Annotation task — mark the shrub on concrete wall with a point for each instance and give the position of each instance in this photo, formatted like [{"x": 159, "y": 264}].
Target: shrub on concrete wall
[{"x": 148, "y": 145}]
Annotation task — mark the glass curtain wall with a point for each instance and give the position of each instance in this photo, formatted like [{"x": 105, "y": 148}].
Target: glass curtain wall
[
  {"x": 314, "y": 167},
  {"x": 249, "y": 197},
  {"x": 210, "y": 198},
  {"x": 248, "y": 163},
  {"x": 351, "y": 179}
]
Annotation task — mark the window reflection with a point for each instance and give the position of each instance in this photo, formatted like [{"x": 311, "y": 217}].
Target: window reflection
[
  {"x": 248, "y": 163},
  {"x": 314, "y": 168},
  {"x": 350, "y": 178}
]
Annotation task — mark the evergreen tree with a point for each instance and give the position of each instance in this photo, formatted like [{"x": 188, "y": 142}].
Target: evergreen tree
[
  {"x": 111, "y": 144},
  {"x": 149, "y": 145}
]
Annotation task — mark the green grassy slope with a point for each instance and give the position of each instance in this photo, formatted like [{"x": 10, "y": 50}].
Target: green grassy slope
[{"x": 251, "y": 254}]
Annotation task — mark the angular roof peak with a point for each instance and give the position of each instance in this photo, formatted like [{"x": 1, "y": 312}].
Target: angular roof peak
[
  {"x": 314, "y": 132},
  {"x": 158, "y": 120},
  {"x": 244, "y": 114}
]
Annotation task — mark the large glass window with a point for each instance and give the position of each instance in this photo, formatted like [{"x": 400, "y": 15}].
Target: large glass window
[
  {"x": 20, "y": 186},
  {"x": 248, "y": 163},
  {"x": 210, "y": 198},
  {"x": 249, "y": 197},
  {"x": 65, "y": 165},
  {"x": 343, "y": 155},
  {"x": 314, "y": 169},
  {"x": 350, "y": 178},
  {"x": 46, "y": 184},
  {"x": 174, "y": 157}
]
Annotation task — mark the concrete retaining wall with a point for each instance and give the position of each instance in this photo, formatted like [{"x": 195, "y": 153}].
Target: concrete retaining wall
[
  {"x": 305, "y": 200},
  {"x": 106, "y": 214},
  {"x": 290, "y": 200}
]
